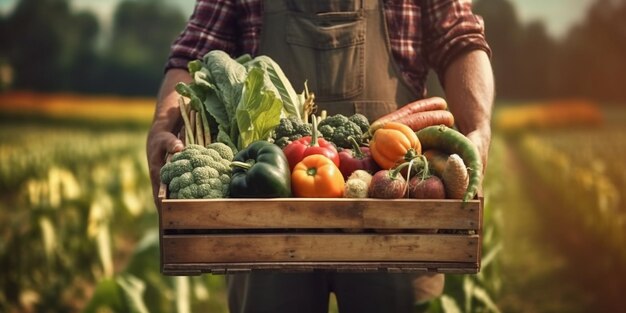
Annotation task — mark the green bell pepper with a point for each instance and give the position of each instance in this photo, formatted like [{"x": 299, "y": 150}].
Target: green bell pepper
[{"x": 260, "y": 170}]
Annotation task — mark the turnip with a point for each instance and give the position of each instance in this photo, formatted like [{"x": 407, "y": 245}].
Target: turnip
[{"x": 355, "y": 188}]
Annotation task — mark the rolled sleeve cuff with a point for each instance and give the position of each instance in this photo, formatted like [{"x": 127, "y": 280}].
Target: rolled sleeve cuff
[
  {"x": 465, "y": 35},
  {"x": 460, "y": 47}
]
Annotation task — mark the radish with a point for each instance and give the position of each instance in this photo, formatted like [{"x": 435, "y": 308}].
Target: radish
[
  {"x": 387, "y": 184},
  {"x": 429, "y": 188}
]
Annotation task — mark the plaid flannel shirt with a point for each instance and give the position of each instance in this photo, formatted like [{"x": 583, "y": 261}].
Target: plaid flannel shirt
[{"x": 424, "y": 34}]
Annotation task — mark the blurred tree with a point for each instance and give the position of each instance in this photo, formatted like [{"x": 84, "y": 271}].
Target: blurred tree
[
  {"x": 503, "y": 32},
  {"x": 42, "y": 39},
  {"x": 143, "y": 31},
  {"x": 538, "y": 77},
  {"x": 593, "y": 62}
]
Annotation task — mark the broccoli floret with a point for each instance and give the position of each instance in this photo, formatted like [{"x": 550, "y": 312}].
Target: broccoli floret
[
  {"x": 282, "y": 142},
  {"x": 189, "y": 192},
  {"x": 174, "y": 169},
  {"x": 185, "y": 154},
  {"x": 221, "y": 169},
  {"x": 201, "y": 175},
  {"x": 195, "y": 147},
  {"x": 198, "y": 172},
  {"x": 338, "y": 128},
  {"x": 361, "y": 121},
  {"x": 226, "y": 164},
  {"x": 326, "y": 131},
  {"x": 215, "y": 183},
  {"x": 225, "y": 179},
  {"x": 285, "y": 128},
  {"x": 201, "y": 160},
  {"x": 213, "y": 154},
  {"x": 204, "y": 189},
  {"x": 181, "y": 181},
  {"x": 214, "y": 194},
  {"x": 290, "y": 129},
  {"x": 303, "y": 129},
  {"x": 224, "y": 151},
  {"x": 335, "y": 121}
]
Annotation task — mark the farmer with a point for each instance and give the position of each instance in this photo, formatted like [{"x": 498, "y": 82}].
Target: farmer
[{"x": 364, "y": 56}]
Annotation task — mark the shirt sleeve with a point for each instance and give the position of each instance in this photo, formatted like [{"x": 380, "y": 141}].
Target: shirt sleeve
[
  {"x": 451, "y": 29},
  {"x": 211, "y": 26}
]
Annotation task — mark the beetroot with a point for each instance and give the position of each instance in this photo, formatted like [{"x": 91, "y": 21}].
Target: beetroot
[
  {"x": 387, "y": 184},
  {"x": 429, "y": 188}
]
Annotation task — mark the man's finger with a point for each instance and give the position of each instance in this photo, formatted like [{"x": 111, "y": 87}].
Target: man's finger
[{"x": 174, "y": 145}]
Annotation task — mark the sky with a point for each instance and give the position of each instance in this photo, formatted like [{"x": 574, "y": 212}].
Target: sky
[{"x": 558, "y": 15}]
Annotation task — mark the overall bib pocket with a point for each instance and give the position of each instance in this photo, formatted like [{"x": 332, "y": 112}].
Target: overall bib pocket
[{"x": 330, "y": 46}]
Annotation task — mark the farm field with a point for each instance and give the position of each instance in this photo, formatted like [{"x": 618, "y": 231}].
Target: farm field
[{"x": 79, "y": 229}]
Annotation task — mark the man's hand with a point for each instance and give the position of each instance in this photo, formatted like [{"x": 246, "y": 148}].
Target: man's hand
[
  {"x": 159, "y": 144},
  {"x": 482, "y": 140},
  {"x": 161, "y": 138}
]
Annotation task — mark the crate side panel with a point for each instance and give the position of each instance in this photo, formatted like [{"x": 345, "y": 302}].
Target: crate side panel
[
  {"x": 316, "y": 247},
  {"x": 319, "y": 213},
  {"x": 357, "y": 267}
]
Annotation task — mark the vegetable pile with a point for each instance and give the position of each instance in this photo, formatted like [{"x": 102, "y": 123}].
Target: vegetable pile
[{"x": 248, "y": 135}]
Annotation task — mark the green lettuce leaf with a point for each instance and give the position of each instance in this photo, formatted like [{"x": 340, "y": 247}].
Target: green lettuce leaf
[
  {"x": 228, "y": 76},
  {"x": 291, "y": 102},
  {"x": 258, "y": 112}
]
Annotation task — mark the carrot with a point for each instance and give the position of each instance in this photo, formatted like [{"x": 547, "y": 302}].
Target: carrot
[
  {"x": 419, "y": 120},
  {"x": 422, "y": 105},
  {"x": 451, "y": 141}
]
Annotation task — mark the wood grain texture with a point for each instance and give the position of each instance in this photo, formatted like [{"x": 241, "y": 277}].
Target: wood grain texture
[
  {"x": 290, "y": 267},
  {"x": 319, "y": 213},
  {"x": 319, "y": 248}
]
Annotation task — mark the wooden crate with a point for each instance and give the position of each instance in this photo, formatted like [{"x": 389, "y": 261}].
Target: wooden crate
[{"x": 297, "y": 234}]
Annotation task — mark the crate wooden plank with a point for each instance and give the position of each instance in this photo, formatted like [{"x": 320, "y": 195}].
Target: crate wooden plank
[
  {"x": 319, "y": 213},
  {"x": 360, "y": 267},
  {"x": 318, "y": 247}
]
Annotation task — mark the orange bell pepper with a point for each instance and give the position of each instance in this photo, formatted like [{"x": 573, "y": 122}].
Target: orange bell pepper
[{"x": 316, "y": 176}]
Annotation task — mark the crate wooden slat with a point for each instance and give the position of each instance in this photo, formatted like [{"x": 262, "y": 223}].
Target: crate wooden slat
[
  {"x": 319, "y": 213},
  {"x": 321, "y": 247},
  {"x": 360, "y": 235},
  {"x": 361, "y": 267}
]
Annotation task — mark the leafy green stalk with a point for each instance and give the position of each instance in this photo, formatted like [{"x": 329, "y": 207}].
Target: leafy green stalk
[
  {"x": 259, "y": 111},
  {"x": 291, "y": 102},
  {"x": 188, "y": 129}
]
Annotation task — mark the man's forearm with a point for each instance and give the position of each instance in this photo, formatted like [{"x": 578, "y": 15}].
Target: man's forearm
[
  {"x": 167, "y": 113},
  {"x": 469, "y": 88}
]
